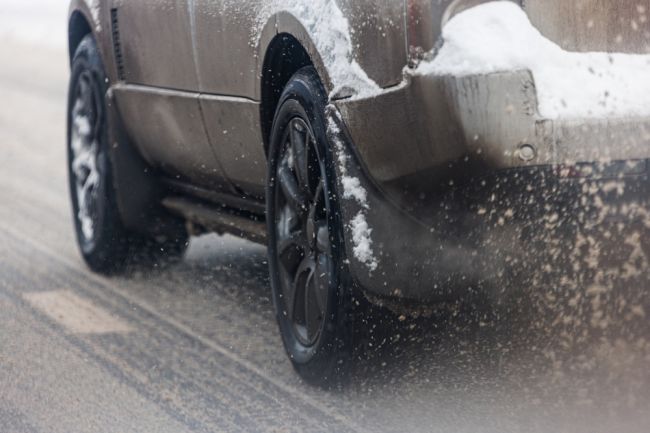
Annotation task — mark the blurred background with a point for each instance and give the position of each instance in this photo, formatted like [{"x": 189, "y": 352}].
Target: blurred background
[{"x": 41, "y": 22}]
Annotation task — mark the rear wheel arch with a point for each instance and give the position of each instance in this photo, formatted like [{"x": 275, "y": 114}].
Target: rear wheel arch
[
  {"x": 289, "y": 50},
  {"x": 284, "y": 57}
]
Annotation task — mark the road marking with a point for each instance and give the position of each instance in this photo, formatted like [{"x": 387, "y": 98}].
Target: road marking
[
  {"x": 77, "y": 315},
  {"x": 74, "y": 266}
]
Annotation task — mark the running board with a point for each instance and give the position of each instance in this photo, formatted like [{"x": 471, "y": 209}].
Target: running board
[{"x": 214, "y": 218}]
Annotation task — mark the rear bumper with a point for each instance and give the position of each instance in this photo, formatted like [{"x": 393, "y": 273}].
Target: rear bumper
[
  {"x": 468, "y": 185},
  {"x": 495, "y": 227},
  {"x": 429, "y": 122}
]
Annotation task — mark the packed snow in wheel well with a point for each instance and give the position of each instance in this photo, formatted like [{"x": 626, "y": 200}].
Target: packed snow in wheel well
[{"x": 330, "y": 32}]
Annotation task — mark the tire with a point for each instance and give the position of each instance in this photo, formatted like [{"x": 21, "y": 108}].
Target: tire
[
  {"x": 106, "y": 245},
  {"x": 312, "y": 296}
]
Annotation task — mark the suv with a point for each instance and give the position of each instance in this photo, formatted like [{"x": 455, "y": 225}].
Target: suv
[{"x": 401, "y": 152}]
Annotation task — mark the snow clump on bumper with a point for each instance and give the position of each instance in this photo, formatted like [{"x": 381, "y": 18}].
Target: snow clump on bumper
[{"x": 499, "y": 37}]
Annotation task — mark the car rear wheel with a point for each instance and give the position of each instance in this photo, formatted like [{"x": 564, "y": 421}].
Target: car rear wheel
[
  {"x": 105, "y": 243},
  {"x": 312, "y": 297}
]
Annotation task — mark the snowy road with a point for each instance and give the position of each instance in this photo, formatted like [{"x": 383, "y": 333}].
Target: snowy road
[{"x": 195, "y": 348}]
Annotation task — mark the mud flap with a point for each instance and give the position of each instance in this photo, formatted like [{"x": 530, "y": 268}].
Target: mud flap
[
  {"x": 138, "y": 192},
  {"x": 391, "y": 254}
]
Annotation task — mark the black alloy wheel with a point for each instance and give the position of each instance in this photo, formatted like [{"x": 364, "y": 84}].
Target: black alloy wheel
[
  {"x": 102, "y": 239},
  {"x": 87, "y": 179},
  {"x": 303, "y": 241},
  {"x": 306, "y": 254}
]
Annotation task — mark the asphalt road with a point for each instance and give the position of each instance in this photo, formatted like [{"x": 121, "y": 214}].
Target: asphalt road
[{"x": 195, "y": 348}]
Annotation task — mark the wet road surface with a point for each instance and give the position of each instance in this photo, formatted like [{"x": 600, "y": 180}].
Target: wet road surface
[{"x": 195, "y": 347}]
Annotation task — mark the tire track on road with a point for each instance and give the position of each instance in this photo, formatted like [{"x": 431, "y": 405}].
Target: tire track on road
[
  {"x": 44, "y": 327},
  {"x": 249, "y": 368}
]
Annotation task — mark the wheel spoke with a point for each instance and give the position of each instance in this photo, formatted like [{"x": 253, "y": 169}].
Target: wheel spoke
[
  {"x": 86, "y": 208},
  {"x": 321, "y": 228},
  {"x": 85, "y": 94},
  {"x": 313, "y": 311},
  {"x": 322, "y": 279},
  {"x": 295, "y": 296},
  {"x": 323, "y": 242},
  {"x": 92, "y": 180},
  {"x": 77, "y": 109},
  {"x": 294, "y": 239},
  {"x": 291, "y": 250},
  {"x": 84, "y": 159},
  {"x": 298, "y": 140},
  {"x": 314, "y": 172},
  {"x": 82, "y": 126},
  {"x": 318, "y": 197},
  {"x": 287, "y": 222},
  {"x": 290, "y": 298},
  {"x": 292, "y": 192},
  {"x": 83, "y": 85}
]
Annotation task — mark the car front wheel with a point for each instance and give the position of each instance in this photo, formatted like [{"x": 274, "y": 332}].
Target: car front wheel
[{"x": 106, "y": 244}]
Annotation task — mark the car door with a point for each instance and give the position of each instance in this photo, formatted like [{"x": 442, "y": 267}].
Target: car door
[
  {"x": 158, "y": 97},
  {"x": 224, "y": 41},
  {"x": 227, "y": 34}
]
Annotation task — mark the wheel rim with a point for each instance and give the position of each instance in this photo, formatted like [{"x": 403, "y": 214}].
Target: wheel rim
[
  {"x": 303, "y": 250},
  {"x": 84, "y": 145}
]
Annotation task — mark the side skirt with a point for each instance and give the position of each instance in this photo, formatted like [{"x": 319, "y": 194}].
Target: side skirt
[{"x": 207, "y": 217}]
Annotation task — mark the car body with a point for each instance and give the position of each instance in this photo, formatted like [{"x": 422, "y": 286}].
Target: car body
[{"x": 195, "y": 84}]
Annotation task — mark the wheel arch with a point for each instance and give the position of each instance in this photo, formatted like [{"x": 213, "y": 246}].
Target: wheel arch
[
  {"x": 285, "y": 53},
  {"x": 78, "y": 28},
  {"x": 80, "y": 24}
]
